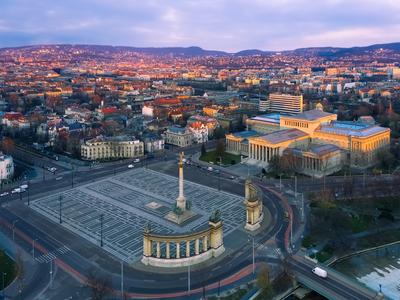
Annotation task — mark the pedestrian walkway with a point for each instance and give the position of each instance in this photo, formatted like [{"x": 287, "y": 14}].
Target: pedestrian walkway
[{"x": 46, "y": 258}]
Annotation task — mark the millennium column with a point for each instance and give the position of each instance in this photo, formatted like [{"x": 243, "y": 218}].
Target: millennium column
[{"x": 181, "y": 200}]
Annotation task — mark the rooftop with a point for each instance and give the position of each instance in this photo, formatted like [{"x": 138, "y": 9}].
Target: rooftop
[
  {"x": 245, "y": 134},
  {"x": 284, "y": 135},
  {"x": 357, "y": 129},
  {"x": 271, "y": 118},
  {"x": 310, "y": 115}
]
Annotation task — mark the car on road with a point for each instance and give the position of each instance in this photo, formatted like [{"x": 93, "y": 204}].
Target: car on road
[
  {"x": 24, "y": 186},
  {"x": 16, "y": 190},
  {"x": 130, "y": 166},
  {"x": 4, "y": 194},
  {"x": 320, "y": 272},
  {"x": 136, "y": 160},
  {"x": 231, "y": 177},
  {"x": 210, "y": 169}
]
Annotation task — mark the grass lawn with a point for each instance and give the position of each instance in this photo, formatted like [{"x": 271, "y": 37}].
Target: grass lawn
[
  {"x": 308, "y": 242},
  {"x": 7, "y": 266},
  {"x": 325, "y": 254},
  {"x": 227, "y": 158}
]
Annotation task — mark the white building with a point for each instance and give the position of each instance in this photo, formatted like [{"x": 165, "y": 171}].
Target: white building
[
  {"x": 6, "y": 166},
  {"x": 285, "y": 103},
  {"x": 153, "y": 144},
  {"x": 178, "y": 136},
  {"x": 200, "y": 132},
  {"x": 111, "y": 147}
]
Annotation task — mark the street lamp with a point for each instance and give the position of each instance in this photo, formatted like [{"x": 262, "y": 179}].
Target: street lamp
[
  {"x": 122, "y": 279},
  {"x": 13, "y": 228},
  {"x": 101, "y": 229},
  {"x": 4, "y": 275},
  {"x": 59, "y": 200},
  {"x": 33, "y": 248},
  {"x": 72, "y": 174},
  {"x": 28, "y": 192},
  {"x": 253, "y": 254}
]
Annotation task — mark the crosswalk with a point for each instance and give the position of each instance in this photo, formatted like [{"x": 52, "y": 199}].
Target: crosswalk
[{"x": 46, "y": 258}]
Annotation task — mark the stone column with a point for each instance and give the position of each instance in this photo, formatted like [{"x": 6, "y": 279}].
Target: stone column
[
  {"x": 146, "y": 246},
  {"x": 205, "y": 243},
  {"x": 167, "y": 255},
  {"x": 187, "y": 248},
  {"x": 196, "y": 243},
  {"x": 178, "y": 250},
  {"x": 158, "y": 250}
]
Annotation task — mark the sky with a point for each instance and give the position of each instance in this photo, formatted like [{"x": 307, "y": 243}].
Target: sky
[{"x": 229, "y": 25}]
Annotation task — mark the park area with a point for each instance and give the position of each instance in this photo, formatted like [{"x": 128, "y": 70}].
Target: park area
[
  {"x": 337, "y": 227},
  {"x": 7, "y": 269}
]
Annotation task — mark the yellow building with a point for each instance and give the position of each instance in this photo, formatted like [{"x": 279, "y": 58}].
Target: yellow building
[
  {"x": 361, "y": 141},
  {"x": 271, "y": 134},
  {"x": 263, "y": 148},
  {"x": 307, "y": 121},
  {"x": 102, "y": 148}
]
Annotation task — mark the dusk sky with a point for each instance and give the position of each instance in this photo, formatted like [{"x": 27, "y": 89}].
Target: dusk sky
[{"x": 229, "y": 25}]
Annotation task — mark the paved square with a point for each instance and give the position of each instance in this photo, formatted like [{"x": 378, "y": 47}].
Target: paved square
[{"x": 128, "y": 202}]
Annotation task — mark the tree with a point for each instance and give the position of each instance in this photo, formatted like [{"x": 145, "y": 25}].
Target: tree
[
  {"x": 99, "y": 285},
  {"x": 219, "y": 133},
  {"x": 385, "y": 159},
  {"x": 220, "y": 150},
  {"x": 263, "y": 282},
  {"x": 203, "y": 150},
  {"x": 7, "y": 145}
]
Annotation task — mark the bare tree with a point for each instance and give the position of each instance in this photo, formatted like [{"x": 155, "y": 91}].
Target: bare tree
[
  {"x": 99, "y": 285},
  {"x": 21, "y": 272}
]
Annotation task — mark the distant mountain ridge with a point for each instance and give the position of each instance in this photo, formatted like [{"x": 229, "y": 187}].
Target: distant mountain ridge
[{"x": 197, "y": 51}]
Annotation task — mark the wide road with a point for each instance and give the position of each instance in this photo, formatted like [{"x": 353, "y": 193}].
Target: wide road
[
  {"x": 51, "y": 237},
  {"x": 335, "y": 286}
]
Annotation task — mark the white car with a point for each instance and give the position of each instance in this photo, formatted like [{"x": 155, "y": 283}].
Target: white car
[
  {"x": 210, "y": 169},
  {"x": 16, "y": 190},
  {"x": 130, "y": 166},
  {"x": 136, "y": 160},
  {"x": 4, "y": 194},
  {"x": 24, "y": 186}
]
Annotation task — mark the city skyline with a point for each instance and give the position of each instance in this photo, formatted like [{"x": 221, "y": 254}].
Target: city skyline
[{"x": 218, "y": 25}]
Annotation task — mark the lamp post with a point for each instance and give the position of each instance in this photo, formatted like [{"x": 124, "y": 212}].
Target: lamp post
[
  {"x": 33, "y": 248},
  {"x": 4, "y": 275},
  {"x": 188, "y": 278},
  {"x": 253, "y": 254},
  {"x": 72, "y": 174},
  {"x": 13, "y": 228},
  {"x": 122, "y": 279},
  {"x": 60, "y": 202},
  {"x": 29, "y": 186},
  {"x": 101, "y": 229}
]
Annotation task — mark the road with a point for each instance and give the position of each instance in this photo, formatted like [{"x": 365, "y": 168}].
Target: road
[
  {"x": 335, "y": 286},
  {"x": 51, "y": 237},
  {"x": 233, "y": 268}
]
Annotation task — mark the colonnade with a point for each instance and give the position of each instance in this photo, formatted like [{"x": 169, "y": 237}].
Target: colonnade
[{"x": 262, "y": 153}]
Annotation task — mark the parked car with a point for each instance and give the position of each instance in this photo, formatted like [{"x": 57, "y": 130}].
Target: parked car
[
  {"x": 210, "y": 169},
  {"x": 16, "y": 190},
  {"x": 136, "y": 160},
  {"x": 4, "y": 194},
  {"x": 130, "y": 166}
]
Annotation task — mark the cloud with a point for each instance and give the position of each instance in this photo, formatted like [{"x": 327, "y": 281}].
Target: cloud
[{"x": 229, "y": 25}]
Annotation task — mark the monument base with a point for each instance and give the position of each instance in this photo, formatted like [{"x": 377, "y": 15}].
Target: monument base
[{"x": 180, "y": 219}]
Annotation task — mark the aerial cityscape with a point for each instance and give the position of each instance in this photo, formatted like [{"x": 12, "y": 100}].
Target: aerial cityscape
[{"x": 199, "y": 150}]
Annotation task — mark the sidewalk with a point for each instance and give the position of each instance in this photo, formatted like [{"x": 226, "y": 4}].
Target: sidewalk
[{"x": 30, "y": 267}]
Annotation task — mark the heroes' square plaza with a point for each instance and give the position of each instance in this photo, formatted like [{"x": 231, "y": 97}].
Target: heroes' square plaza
[{"x": 130, "y": 201}]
